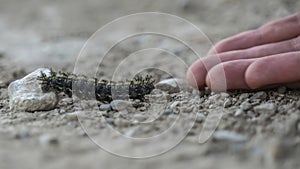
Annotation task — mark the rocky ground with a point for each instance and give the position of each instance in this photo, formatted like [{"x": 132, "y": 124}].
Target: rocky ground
[{"x": 257, "y": 128}]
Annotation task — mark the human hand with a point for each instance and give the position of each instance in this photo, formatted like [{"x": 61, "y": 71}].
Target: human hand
[{"x": 269, "y": 55}]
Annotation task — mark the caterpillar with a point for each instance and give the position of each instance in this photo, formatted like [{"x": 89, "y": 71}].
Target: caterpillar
[{"x": 103, "y": 90}]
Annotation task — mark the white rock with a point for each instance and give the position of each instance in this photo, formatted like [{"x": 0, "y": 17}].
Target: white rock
[
  {"x": 173, "y": 85},
  {"x": 245, "y": 106},
  {"x": 74, "y": 115},
  {"x": 104, "y": 107},
  {"x": 131, "y": 132},
  {"x": 259, "y": 95},
  {"x": 140, "y": 117},
  {"x": 265, "y": 108},
  {"x": 238, "y": 112},
  {"x": 48, "y": 139},
  {"x": 119, "y": 104},
  {"x": 174, "y": 105},
  {"x": 200, "y": 118},
  {"x": 227, "y": 103},
  {"x": 26, "y": 94},
  {"x": 229, "y": 136}
]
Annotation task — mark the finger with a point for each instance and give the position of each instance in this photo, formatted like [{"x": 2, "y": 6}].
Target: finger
[
  {"x": 228, "y": 75},
  {"x": 198, "y": 70},
  {"x": 280, "y": 30},
  {"x": 276, "y": 69}
]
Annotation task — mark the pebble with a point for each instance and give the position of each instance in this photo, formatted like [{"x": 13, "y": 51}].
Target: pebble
[
  {"x": 167, "y": 112},
  {"x": 48, "y": 139},
  {"x": 265, "y": 108},
  {"x": 74, "y": 115},
  {"x": 105, "y": 107},
  {"x": 224, "y": 95},
  {"x": 122, "y": 123},
  {"x": 173, "y": 85},
  {"x": 200, "y": 118},
  {"x": 244, "y": 96},
  {"x": 227, "y": 103},
  {"x": 130, "y": 132},
  {"x": 66, "y": 101},
  {"x": 174, "y": 105},
  {"x": 110, "y": 121},
  {"x": 259, "y": 95},
  {"x": 26, "y": 94},
  {"x": 214, "y": 97},
  {"x": 230, "y": 136},
  {"x": 281, "y": 90},
  {"x": 245, "y": 106},
  {"x": 140, "y": 117},
  {"x": 119, "y": 104},
  {"x": 238, "y": 112},
  {"x": 2, "y": 84},
  {"x": 22, "y": 135}
]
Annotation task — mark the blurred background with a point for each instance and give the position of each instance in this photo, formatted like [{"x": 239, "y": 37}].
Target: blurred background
[{"x": 33, "y": 31}]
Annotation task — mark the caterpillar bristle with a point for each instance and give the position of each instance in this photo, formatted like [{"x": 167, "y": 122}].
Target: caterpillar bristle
[{"x": 102, "y": 90}]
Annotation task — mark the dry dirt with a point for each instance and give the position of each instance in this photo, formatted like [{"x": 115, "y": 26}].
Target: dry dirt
[{"x": 45, "y": 33}]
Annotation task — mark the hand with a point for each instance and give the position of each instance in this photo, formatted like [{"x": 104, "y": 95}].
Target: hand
[{"x": 254, "y": 59}]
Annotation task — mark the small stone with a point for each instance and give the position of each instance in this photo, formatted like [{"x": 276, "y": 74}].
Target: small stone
[
  {"x": 140, "y": 117},
  {"x": 265, "y": 108},
  {"x": 215, "y": 97},
  {"x": 105, "y": 107},
  {"x": 173, "y": 85},
  {"x": 26, "y": 94},
  {"x": 2, "y": 84},
  {"x": 119, "y": 104},
  {"x": 229, "y": 136},
  {"x": 245, "y": 106},
  {"x": 22, "y": 135},
  {"x": 110, "y": 121},
  {"x": 48, "y": 139},
  {"x": 259, "y": 95},
  {"x": 131, "y": 132},
  {"x": 238, "y": 112},
  {"x": 281, "y": 90},
  {"x": 174, "y": 105},
  {"x": 200, "y": 118},
  {"x": 67, "y": 101},
  {"x": 224, "y": 95},
  {"x": 244, "y": 96},
  {"x": 227, "y": 103},
  {"x": 122, "y": 123},
  {"x": 74, "y": 115},
  {"x": 167, "y": 112}
]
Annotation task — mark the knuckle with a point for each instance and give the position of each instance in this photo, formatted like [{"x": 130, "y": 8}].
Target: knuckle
[{"x": 295, "y": 43}]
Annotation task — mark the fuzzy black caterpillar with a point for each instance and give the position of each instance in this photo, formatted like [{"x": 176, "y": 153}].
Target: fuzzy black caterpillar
[{"x": 101, "y": 90}]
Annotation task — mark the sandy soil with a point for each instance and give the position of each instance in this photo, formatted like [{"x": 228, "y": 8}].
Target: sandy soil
[{"x": 51, "y": 34}]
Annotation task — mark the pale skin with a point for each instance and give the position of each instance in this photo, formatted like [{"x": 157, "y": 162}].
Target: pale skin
[{"x": 267, "y": 56}]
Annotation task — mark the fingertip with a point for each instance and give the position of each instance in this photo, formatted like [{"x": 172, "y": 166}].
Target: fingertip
[
  {"x": 254, "y": 76},
  {"x": 228, "y": 75},
  {"x": 196, "y": 74},
  {"x": 215, "y": 79}
]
